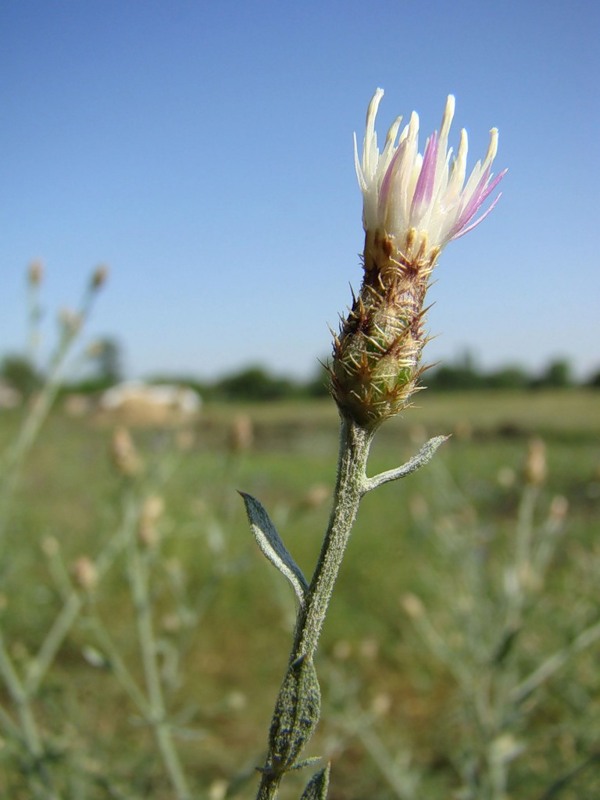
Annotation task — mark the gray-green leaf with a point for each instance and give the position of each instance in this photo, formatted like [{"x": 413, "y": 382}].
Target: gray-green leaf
[
  {"x": 296, "y": 714},
  {"x": 316, "y": 788},
  {"x": 273, "y": 547}
]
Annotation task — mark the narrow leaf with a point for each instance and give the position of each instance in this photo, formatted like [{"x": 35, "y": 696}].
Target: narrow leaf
[
  {"x": 424, "y": 455},
  {"x": 317, "y": 787},
  {"x": 273, "y": 547},
  {"x": 296, "y": 715}
]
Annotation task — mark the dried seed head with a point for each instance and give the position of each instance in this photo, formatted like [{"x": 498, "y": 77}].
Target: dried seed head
[
  {"x": 559, "y": 508},
  {"x": 241, "y": 434},
  {"x": 50, "y": 546},
  {"x": 99, "y": 277},
  {"x": 218, "y": 789},
  {"x": 95, "y": 349},
  {"x": 236, "y": 701},
  {"x": 381, "y": 704},
  {"x": 316, "y": 496},
  {"x": 70, "y": 321},
  {"x": 369, "y": 649},
  {"x": 535, "y": 469},
  {"x": 85, "y": 573},
  {"x": 35, "y": 273},
  {"x": 124, "y": 455},
  {"x": 152, "y": 510},
  {"x": 342, "y": 650},
  {"x": 171, "y": 623},
  {"x": 413, "y": 606}
]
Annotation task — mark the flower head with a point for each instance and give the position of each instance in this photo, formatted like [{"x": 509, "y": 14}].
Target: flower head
[
  {"x": 422, "y": 201},
  {"x": 413, "y": 205}
]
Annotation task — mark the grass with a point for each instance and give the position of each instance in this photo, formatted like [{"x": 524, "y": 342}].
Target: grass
[{"x": 234, "y": 641}]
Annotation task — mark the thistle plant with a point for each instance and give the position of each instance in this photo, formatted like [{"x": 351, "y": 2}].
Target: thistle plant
[
  {"x": 70, "y": 325},
  {"x": 413, "y": 206},
  {"x": 483, "y": 622}
]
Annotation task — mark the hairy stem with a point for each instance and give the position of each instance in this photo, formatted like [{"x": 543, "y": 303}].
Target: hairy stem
[
  {"x": 296, "y": 711},
  {"x": 351, "y": 478},
  {"x": 355, "y": 443}
]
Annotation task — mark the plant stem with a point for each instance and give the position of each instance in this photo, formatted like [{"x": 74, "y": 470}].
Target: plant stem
[
  {"x": 12, "y": 461},
  {"x": 40, "y": 664},
  {"x": 297, "y": 708},
  {"x": 148, "y": 648},
  {"x": 28, "y": 726},
  {"x": 355, "y": 443}
]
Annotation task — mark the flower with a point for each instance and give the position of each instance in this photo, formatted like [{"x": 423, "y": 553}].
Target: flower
[
  {"x": 422, "y": 201},
  {"x": 413, "y": 205}
]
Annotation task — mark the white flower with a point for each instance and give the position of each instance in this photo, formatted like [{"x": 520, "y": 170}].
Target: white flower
[{"x": 422, "y": 201}]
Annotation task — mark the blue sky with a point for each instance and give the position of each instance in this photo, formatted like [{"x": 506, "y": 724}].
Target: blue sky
[{"x": 203, "y": 150}]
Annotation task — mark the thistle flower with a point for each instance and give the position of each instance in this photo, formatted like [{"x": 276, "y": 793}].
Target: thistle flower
[
  {"x": 413, "y": 205},
  {"x": 422, "y": 201}
]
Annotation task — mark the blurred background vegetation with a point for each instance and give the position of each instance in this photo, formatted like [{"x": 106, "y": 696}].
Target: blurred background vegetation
[
  {"x": 459, "y": 658},
  {"x": 392, "y": 713},
  {"x": 105, "y": 368}
]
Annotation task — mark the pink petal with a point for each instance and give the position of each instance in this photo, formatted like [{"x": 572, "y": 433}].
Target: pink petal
[
  {"x": 477, "y": 221},
  {"x": 425, "y": 183},
  {"x": 480, "y": 194}
]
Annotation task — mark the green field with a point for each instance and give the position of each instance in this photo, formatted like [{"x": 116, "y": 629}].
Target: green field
[{"x": 394, "y": 710}]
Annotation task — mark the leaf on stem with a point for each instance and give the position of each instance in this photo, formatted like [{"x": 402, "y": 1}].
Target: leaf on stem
[
  {"x": 272, "y": 546},
  {"x": 316, "y": 788},
  {"x": 424, "y": 455},
  {"x": 297, "y": 712}
]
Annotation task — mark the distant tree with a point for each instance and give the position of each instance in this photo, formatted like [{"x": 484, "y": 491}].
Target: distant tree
[
  {"x": 20, "y": 374},
  {"x": 594, "y": 381},
  {"x": 510, "y": 377},
  {"x": 255, "y": 383},
  {"x": 318, "y": 385},
  {"x": 463, "y": 374},
  {"x": 557, "y": 375}
]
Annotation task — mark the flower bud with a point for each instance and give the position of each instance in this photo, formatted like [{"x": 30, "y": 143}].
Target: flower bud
[{"x": 376, "y": 357}]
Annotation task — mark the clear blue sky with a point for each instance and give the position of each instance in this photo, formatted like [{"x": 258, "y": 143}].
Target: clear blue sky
[{"x": 203, "y": 150}]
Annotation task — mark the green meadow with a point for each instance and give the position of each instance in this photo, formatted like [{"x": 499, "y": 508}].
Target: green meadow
[{"x": 397, "y": 720}]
